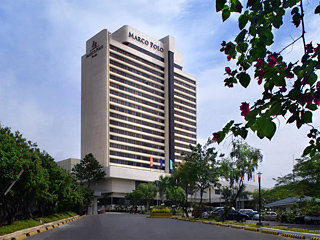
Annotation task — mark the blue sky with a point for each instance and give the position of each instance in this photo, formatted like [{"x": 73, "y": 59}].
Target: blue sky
[{"x": 41, "y": 44}]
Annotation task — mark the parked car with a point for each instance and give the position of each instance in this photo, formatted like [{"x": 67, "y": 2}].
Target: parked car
[
  {"x": 270, "y": 216},
  {"x": 256, "y": 215},
  {"x": 249, "y": 212},
  {"x": 312, "y": 218},
  {"x": 233, "y": 215}
]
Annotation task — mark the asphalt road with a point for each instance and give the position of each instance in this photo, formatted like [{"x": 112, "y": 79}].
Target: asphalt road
[{"x": 139, "y": 227}]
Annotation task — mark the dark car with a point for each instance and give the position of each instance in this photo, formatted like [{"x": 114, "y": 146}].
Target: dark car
[
  {"x": 312, "y": 218},
  {"x": 248, "y": 212},
  {"x": 234, "y": 215}
]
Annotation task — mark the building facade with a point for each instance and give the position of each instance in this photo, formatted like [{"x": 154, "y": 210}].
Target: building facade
[
  {"x": 138, "y": 108},
  {"x": 68, "y": 164}
]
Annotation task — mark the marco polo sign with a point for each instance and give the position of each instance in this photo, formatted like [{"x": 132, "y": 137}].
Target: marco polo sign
[{"x": 146, "y": 42}]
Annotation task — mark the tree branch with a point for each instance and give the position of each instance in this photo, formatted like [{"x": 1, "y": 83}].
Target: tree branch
[
  {"x": 303, "y": 29},
  {"x": 290, "y": 44}
]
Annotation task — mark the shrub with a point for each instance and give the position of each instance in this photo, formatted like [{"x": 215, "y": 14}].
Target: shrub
[{"x": 161, "y": 210}]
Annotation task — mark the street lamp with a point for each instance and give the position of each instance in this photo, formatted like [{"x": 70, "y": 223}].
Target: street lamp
[{"x": 259, "y": 180}]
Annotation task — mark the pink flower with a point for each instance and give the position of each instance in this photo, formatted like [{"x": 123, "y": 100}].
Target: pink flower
[
  {"x": 223, "y": 44},
  {"x": 228, "y": 70},
  {"x": 267, "y": 96},
  {"x": 283, "y": 89},
  {"x": 244, "y": 109},
  {"x": 229, "y": 84},
  {"x": 272, "y": 61},
  {"x": 290, "y": 75},
  {"x": 316, "y": 98},
  {"x": 228, "y": 57},
  {"x": 228, "y": 47},
  {"x": 261, "y": 74},
  {"x": 309, "y": 48},
  {"x": 307, "y": 98},
  {"x": 215, "y": 137},
  {"x": 259, "y": 63},
  {"x": 316, "y": 50},
  {"x": 297, "y": 84},
  {"x": 318, "y": 84}
]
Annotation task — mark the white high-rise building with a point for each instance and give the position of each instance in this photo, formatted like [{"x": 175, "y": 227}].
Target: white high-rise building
[{"x": 138, "y": 108}]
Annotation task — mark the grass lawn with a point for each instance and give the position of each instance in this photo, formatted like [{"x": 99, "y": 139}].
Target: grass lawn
[
  {"x": 254, "y": 225},
  {"x": 23, "y": 224}
]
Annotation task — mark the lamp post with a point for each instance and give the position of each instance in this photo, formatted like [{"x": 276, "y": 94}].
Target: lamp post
[{"x": 259, "y": 180}]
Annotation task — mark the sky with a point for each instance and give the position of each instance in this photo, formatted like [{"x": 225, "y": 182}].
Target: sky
[{"x": 42, "y": 41}]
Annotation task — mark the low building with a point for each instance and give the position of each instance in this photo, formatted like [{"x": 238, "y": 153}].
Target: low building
[
  {"x": 288, "y": 202},
  {"x": 68, "y": 163}
]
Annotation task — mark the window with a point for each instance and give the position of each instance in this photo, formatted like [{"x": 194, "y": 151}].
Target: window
[
  {"x": 112, "y": 62},
  {"x": 136, "y": 135},
  {"x": 136, "y": 85},
  {"x": 136, "y": 57},
  {"x": 136, "y": 64}
]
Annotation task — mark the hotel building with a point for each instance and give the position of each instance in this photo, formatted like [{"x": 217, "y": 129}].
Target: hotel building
[{"x": 138, "y": 108}]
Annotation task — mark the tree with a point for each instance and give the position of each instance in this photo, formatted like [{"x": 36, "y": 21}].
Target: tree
[
  {"x": 135, "y": 198},
  {"x": 176, "y": 195},
  {"x": 202, "y": 160},
  {"x": 291, "y": 89},
  {"x": 303, "y": 181},
  {"x": 163, "y": 186},
  {"x": 31, "y": 182},
  {"x": 185, "y": 177},
  {"x": 242, "y": 163},
  {"x": 148, "y": 193},
  {"x": 89, "y": 170}
]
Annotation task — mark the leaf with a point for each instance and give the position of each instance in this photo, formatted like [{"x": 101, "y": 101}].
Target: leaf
[
  {"x": 243, "y": 132},
  {"x": 307, "y": 150},
  {"x": 269, "y": 128},
  {"x": 241, "y": 36},
  {"x": 276, "y": 108},
  {"x": 312, "y": 106},
  {"x": 226, "y": 129},
  {"x": 225, "y": 14},
  {"x": 243, "y": 20},
  {"x": 244, "y": 79},
  {"x": 242, "y": 47},
  {"x": 277, "y": 22},
  {"x": 306, "y": 117},
  {"x": 317, "y": 10},
  {"x": 222, "y": 136},
  {"x": 220, "y": 4},
  {"x": 312, "y": 79}
]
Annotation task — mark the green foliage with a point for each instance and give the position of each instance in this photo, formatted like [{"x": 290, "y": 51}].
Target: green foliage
[
  {"x": 291, "y": 90},
  {"x": 202, "y": 160},
  {"x": 304, "y": 181},
  {"x": 144, "y": 194},
  {"x": 176, "y": 195},
  {"x": 40, "y": 185},
  {"x": 23, "y": 224},
  {"x": 163, "y": 185},
  {"x": 243, "y": 161},
  {"x": 89, "y": 170},
  {"x": 161, "y": 209},
  {"x": 18, "y": 225}
]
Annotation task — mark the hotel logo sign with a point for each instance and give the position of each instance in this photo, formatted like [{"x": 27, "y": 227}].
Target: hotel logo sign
[
  {"x": 146, "y": 42},
  {"x": 94, "y": 49}
]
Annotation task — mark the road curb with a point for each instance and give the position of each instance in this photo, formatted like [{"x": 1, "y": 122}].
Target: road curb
[
  {"x": 293, "y": 235},
  {"x": 269, "y": 232},
  {"x": 22, "y": 234},
  {"x": 278, "y": 232}
]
